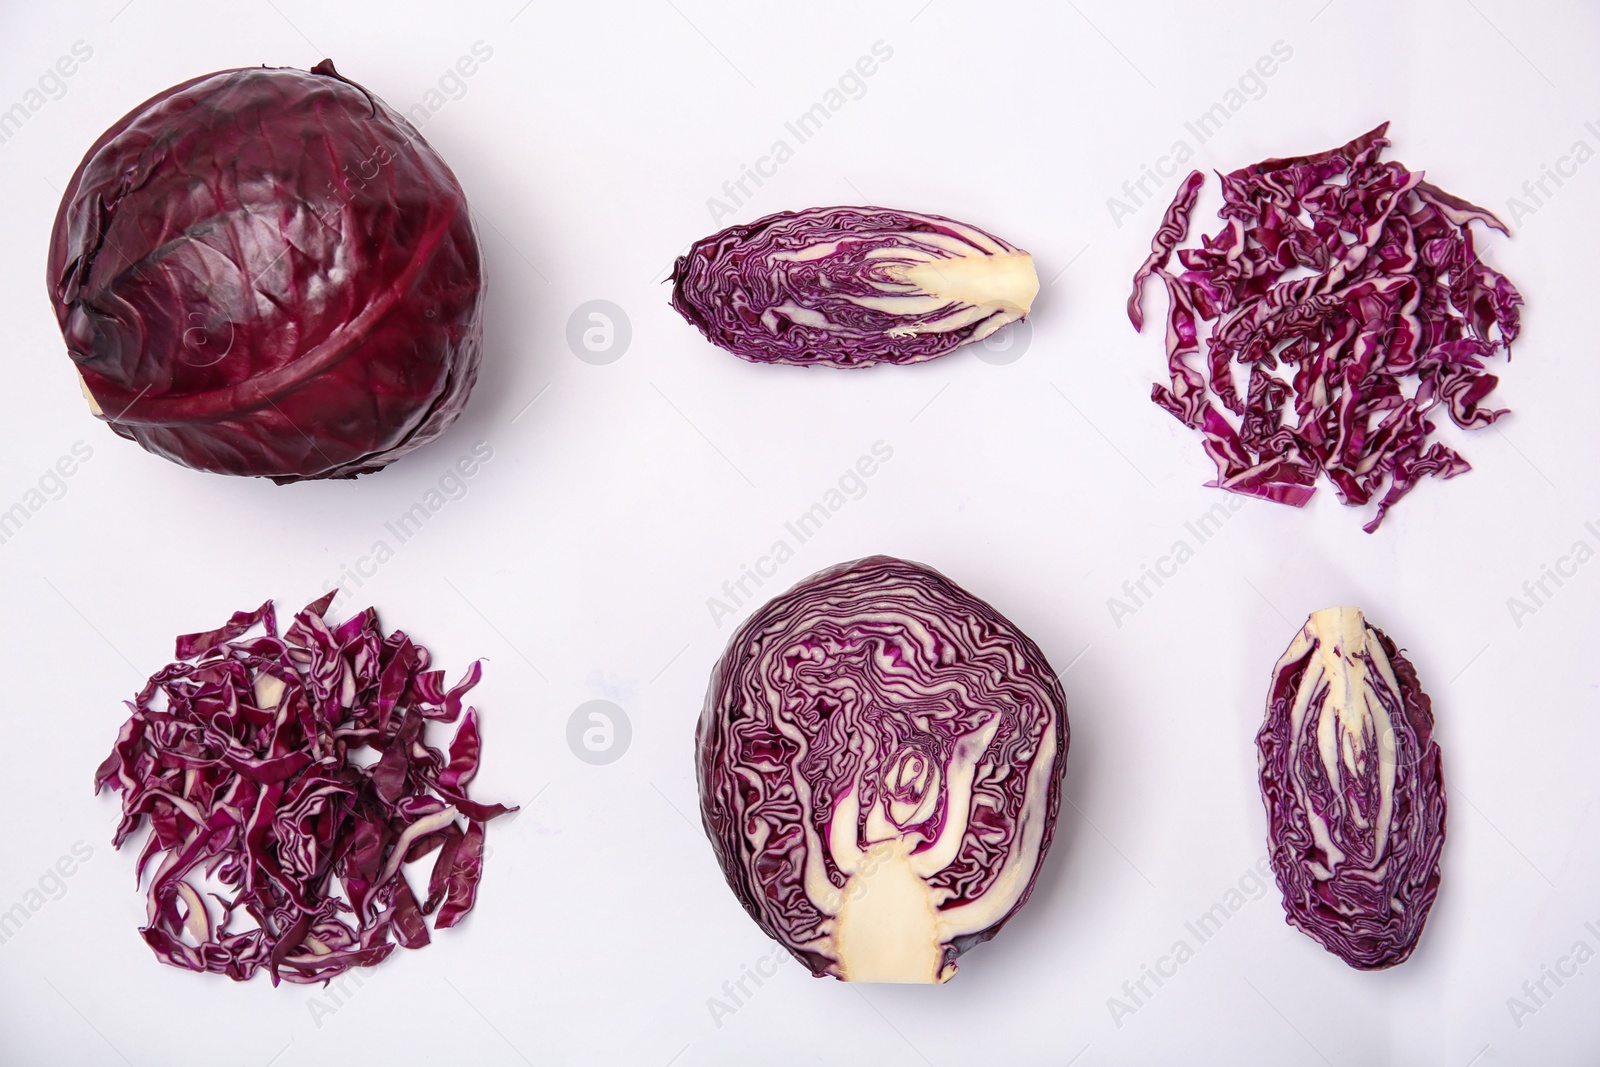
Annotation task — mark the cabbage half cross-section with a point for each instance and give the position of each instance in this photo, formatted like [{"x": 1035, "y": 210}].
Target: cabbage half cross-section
[
  {"x": 851, "y": 286},
  {"x": 1354, "y": 792},
  {"x": 880, "y": 762},
  {"x": 268, "y": 272}
]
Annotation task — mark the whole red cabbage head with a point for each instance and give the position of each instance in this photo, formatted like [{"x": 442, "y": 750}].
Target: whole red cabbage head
[{"x": 268, "y": 272}]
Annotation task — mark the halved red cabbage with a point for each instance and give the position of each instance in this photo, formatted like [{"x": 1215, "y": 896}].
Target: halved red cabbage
[
  {"x": 269, "y": 272},
  {"x": 1354, "y": 791},
  {"x": 851, "y": 286},
  {"x": 1362, "y": 280},
  {"x": 239, "y": 757},
  {"x": 880, "y": 762}
]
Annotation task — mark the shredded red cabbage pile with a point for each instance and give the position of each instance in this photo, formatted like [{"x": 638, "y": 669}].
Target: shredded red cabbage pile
[
  {"x": 1361, "y": 280},
  {"x": 239, "y": 758}
]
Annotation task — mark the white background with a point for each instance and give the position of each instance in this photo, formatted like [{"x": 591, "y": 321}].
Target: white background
[{"x": 581, "y": 559}]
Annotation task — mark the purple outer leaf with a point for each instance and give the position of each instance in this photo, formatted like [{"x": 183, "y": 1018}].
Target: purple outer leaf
[
  {"x": 268, "y": 272},
  {"x": 439, "y": 882},
  {"x": 245, "y": 776},
  {"x": 1174, "y": 225},
  {"x": 1354, "y": 790},
  {"x": 851, "y": 286},
  {"x": 1352, "y": 279},
  {"x": 876, "y": 732},
  {"x": 463, "y": 755},
  {"x": 461, "y": 885}
]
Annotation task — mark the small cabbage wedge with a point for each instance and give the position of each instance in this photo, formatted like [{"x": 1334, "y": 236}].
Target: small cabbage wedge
[
  {"x": 880, "y": 761},
  {"x": 1354, "y": 792},
  {"x": 851, "y": 286}
]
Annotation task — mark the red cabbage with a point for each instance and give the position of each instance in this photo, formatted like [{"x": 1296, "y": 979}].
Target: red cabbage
[
  {"x": 851, "y": 286},
  {"x": 239, "y": 757},
  {"x": 880, "y": 762},
  {"x": 1362, "y": 280},
  {"x": 268, "y": 272},
  {"x": 1354, "y": 791}
]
